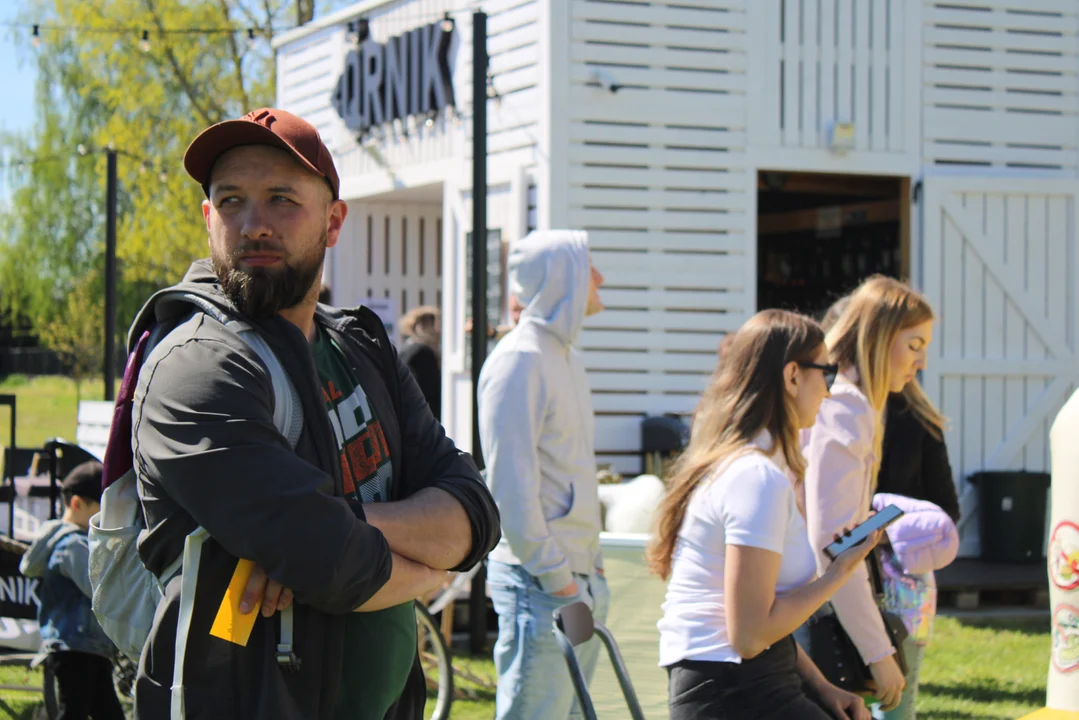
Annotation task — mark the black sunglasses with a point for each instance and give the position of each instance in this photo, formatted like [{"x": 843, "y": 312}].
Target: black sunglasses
[{"x": 830, "y": 371}]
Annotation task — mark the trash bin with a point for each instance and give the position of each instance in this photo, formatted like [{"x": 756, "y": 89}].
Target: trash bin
[
  {"x": 1011, "y": 519},
  {"x": 661, "y": 437}
]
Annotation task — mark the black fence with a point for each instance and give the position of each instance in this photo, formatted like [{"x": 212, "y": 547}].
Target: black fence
[{"x": 31, "y": 361}]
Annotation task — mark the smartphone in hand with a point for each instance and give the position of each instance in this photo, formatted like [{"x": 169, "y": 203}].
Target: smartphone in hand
[{"x": 857, "y": 535}]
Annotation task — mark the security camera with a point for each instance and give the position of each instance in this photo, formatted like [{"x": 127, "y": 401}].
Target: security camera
[{"x": 603, "y": 78}]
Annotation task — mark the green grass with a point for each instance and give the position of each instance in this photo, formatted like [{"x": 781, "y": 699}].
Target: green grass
[
  {"x": 989, "y": 672},
  {"x": 19, "y": 705},
  {"x": 473, "y": 700},
  {"x": 47, "y": 407}
]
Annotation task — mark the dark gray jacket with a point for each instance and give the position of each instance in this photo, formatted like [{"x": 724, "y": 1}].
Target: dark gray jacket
[{"x": 207, "y": 453}]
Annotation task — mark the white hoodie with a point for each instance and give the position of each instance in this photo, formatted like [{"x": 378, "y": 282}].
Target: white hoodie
[{"x": 536, "y": 421}]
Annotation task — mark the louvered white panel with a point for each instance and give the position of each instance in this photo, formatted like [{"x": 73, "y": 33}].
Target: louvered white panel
[
  {"x": 827, "y": 61},
  {"x": 658, "y": 177},
  {"x": 388, "y": 250},
  {"x": 1001, "y": 84}
]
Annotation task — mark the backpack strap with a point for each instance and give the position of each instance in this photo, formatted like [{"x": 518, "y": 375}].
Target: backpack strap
[{"x": 288, "y": 410}]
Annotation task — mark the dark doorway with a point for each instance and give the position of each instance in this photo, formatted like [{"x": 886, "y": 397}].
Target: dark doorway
[{"x": 819, "y": 236}]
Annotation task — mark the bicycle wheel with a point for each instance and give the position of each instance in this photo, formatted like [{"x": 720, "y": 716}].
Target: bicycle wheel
[
  {"x": 124, "y": 671},
  {"x": 435, "y": 658}
]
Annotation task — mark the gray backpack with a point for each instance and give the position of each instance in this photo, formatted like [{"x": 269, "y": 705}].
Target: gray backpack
[{"x": 125, "y": 593}]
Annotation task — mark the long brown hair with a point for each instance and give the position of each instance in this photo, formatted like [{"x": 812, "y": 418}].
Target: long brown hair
[
  {"x": 746, "y": 396},
  {"x": 862, "y": 339}
]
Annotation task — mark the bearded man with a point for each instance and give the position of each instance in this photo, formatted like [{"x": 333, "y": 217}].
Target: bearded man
[{"x": 347, "y": 523}]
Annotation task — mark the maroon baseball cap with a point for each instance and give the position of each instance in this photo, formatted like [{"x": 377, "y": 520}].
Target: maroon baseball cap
[{"x": 265, "y": 126}]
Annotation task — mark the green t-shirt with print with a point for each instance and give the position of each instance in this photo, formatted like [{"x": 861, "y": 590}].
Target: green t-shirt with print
[{"x": 379, "y": 646}]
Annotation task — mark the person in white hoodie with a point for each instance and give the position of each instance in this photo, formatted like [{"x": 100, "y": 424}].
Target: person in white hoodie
[{"x": 538, "y": 437}]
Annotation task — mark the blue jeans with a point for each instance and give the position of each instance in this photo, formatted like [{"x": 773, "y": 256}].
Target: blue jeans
[
  {"x": 914, "y": 653},
  {"x": 533, "y": 680}
]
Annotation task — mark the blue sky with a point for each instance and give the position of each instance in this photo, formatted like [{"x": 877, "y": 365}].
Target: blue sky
[{"x": 17, "y": 109}]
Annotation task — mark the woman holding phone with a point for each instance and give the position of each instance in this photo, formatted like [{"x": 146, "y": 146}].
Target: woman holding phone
[
  {"x": 914, "y": 464},
  {"x": 879, "y": 342},
  {"x": 731, "y": 538}
]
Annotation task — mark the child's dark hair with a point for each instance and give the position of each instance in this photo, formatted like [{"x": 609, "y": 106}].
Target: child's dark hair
[{"x": 84, "y": 482}]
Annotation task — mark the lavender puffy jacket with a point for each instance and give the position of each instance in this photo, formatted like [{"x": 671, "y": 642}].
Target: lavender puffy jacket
[{"x": 925, "y": 538}]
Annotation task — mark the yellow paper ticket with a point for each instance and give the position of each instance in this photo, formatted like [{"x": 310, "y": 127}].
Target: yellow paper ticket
[{"x": 230, "y": 624}]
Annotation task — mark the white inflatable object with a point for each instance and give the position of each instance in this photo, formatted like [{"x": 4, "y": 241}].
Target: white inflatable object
[
  {"x": 1062, "y": 697},
  {"x": 630, "y": 506}
]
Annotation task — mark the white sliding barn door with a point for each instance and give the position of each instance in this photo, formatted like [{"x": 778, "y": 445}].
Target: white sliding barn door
[{"x": 1000, "y": 263}]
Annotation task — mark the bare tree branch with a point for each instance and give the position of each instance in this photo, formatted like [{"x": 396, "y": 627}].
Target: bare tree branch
[
  {"x": 210, "y": 112},
  {"x": 269, "y": 16},
  {"x": 237, "y": 58},
  {"x": 273, "y": 55},
  {"x": 260, "y": 25},
  {"x": 305, "y": 11}
]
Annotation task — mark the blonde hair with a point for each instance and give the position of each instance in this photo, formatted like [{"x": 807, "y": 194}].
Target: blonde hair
[
  {"x": 746, "y": 395},
  {"x": 862, "y": 339}
]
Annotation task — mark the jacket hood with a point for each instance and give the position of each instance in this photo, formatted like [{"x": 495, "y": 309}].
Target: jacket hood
[
  {"x": 201, "y": 289},
  {"x": 200, "y": 285},
  {"x": 549, "y": 273},
  {"x": 36, "y": 560}
]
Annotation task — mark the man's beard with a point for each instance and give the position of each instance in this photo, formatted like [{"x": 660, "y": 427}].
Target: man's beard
[{"x": 264, "y": 292}]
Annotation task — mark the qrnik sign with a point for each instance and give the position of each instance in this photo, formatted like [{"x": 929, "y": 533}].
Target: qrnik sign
[{"x": 407, "y": 75}]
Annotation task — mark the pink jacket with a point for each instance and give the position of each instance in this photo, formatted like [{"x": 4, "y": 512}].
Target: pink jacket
[
  {"x": 838, "y": 491},
  {"x": 924, "y": 539}
]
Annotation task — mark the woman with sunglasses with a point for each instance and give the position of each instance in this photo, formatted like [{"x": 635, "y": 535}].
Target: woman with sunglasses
[
  {"x": 731, "y": 538},
  {"x": 880, "y": 342}
]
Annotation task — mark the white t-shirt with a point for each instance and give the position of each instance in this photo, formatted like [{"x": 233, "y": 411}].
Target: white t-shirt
[{"x": 751, "y": 503}]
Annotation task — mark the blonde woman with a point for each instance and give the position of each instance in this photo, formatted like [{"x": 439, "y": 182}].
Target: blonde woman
[
  {"x": 731, "y": 539},
  {"x": 914, "y": 464},
  {"x": 879, "y": 342}
]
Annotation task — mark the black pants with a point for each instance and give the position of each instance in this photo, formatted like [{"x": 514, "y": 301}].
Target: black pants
[
  {"x": 765, "y": 688},
  {"x": 79, "y": 686}
]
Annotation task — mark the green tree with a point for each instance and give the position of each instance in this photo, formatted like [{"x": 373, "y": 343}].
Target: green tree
[
  {"x": 99, "y": 88},
  {"x": 76, "y": 333}
]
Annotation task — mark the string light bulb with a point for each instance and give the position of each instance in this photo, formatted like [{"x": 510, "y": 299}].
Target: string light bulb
[
  {"x": 35, "y": 36},
  {"x": 447, "y": 23},
  {"x": 251, "y": 38},
  {"x": 144, "y": 44},
  {"x": 81, "y": 149}
]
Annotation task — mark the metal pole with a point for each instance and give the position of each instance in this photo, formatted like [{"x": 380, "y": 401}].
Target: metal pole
[
  {"x": 477, "y": 607},
  {"x": 9, "y": 466},
  {"x": 110, "y": 277}
]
